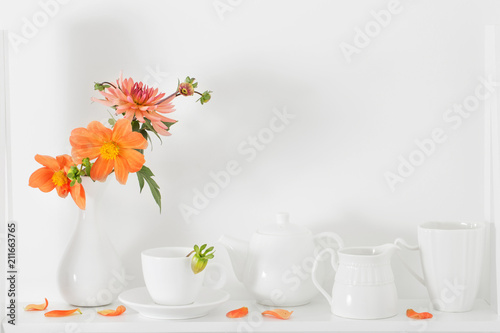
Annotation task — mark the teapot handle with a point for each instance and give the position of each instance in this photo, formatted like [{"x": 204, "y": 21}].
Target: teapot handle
[
  {"x": 324, "y": 240},
  {"x": 335, "y": 265},
  {"x": 401, "y": 244}
]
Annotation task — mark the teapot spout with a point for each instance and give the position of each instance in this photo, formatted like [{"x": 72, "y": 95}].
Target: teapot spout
[{"x": 238, "y": 253}]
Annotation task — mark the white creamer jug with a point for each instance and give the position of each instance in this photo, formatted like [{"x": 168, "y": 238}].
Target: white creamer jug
[{"x": 364, "y": 283}]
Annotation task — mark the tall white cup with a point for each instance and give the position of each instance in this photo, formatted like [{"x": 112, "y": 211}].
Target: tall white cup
[
  {"x": 452, "y": 256},
  {"x": 169, "y": 278}
]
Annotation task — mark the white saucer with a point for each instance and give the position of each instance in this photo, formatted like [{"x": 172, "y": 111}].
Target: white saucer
[{"x": 139, "y": 300}]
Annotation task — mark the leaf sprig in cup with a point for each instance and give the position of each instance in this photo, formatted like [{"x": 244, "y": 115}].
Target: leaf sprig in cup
[{"x": 200, "y": 258}]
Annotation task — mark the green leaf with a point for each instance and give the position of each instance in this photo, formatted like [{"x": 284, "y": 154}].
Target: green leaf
[
  {"x": 147, "y": 125},
  {"x": 145, "y": 134},
  {"x": 140, "y": 178},
  {"x": 100, "y": 86},
  {"x": 146, "y": 171},
  {"x": 112, "y": 120},
  {"x": 203, "y": 247},
  {"x": 135, "y": 126},
  {"x": 88, "y": 166},
  {"x": 147, "y": 175},
  {"x": 155, "y": 191},
  {"x": 169, "y": 124}
]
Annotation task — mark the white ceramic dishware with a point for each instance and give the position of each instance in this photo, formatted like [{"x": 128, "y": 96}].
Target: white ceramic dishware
[
  {"x": 139, "y": 300},
  {"x": 364, "y": 283},
  {"x": 452, "y": 256},
  {"x": 169, "y": 278},
  {"x": 275, "y": 266}
]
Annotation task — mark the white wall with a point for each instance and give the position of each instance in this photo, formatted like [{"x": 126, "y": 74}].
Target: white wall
[
  {"x": 3, "y": 158},
  {"x": 351, "y": 119}
]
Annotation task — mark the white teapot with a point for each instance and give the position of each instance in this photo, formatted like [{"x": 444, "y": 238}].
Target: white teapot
[{"x": 275, "y": 266}]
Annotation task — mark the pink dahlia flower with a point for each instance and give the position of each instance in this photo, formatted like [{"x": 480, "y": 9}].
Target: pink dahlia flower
[{"x": 135, "y": 99}]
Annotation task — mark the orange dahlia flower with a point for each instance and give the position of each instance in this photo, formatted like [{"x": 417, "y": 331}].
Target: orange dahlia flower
[
  {"x": 54, "y": 175},
  {"x": 114, "y": 149},
  {"x": 135, "y": 99}
]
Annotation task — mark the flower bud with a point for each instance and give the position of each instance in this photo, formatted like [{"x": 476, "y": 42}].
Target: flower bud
[
  {"x": 186, "y": 89},
  {"x": 198, "y": 264}
]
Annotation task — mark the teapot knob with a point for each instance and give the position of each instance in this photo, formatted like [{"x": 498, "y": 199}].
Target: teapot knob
[{"x": 282, "y": 218}]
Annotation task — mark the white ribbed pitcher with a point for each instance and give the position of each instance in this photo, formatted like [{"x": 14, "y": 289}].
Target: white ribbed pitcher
[{"x": 364, "y": 283}]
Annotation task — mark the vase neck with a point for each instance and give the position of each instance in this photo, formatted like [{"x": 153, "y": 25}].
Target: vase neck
[{"x": 92, "y": 193}]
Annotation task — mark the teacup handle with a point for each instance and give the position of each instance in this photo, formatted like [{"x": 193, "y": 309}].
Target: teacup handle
[
  {"x": 335, "y": 265},
  {"x": 401, "y": 244},
  {"x": 215, "y": 276}
]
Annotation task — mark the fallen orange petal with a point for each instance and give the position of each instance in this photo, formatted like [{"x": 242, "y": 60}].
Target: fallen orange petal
[
  {"x": 37, "y": 307},
  {"x": 238, "y": 313},
  {"x": 119, "y": 310},
  {"x": 410, "y": 313},
  {"x": 278, "y": 313},
  {"x": 61, "y": 313}
]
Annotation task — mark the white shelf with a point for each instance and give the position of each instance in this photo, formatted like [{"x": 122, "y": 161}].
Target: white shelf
[{"x": 314, "y": 317}]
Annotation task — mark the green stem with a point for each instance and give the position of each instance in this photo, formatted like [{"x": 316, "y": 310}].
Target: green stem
[
  {"x": 111, "y": 84},
  {"x": 166, "y": 98}
]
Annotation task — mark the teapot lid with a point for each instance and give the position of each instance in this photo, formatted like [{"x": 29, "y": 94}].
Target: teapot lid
[{"x": 283, "y": 227}]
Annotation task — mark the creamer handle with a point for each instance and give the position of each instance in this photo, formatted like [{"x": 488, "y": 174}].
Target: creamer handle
[
  {"x": 315, "y": 266},
  {"x": 401, "y": 244}
]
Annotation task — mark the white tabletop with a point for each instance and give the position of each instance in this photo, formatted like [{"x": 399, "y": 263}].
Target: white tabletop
[{"x": 314, "y": 317}]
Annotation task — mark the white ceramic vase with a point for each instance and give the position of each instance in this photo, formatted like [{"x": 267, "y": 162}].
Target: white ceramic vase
[{"x": 90, "y": 267}]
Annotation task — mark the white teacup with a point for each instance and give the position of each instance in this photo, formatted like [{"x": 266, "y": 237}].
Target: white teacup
[
  {"x": 452, "y": 256},
  {"x": 169, "y": 278}
]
